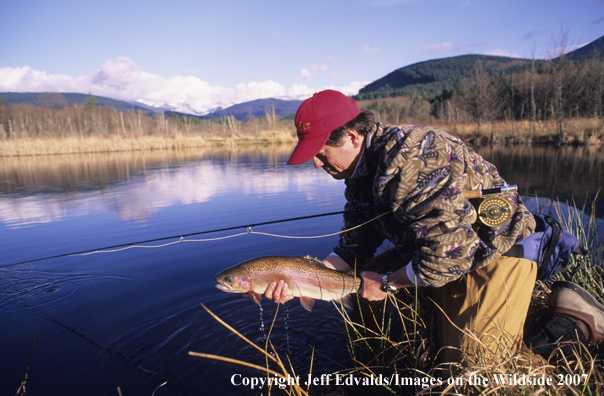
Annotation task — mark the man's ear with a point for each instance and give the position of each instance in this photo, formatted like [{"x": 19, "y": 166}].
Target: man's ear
[{"x": 355, "y": 137}]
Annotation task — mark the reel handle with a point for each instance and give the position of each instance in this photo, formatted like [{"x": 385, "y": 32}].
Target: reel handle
[{"x": 490, "y": 192}]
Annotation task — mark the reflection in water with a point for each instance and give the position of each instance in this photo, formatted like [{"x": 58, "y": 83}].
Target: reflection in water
[
  {"x": 129, "y": 318},
  {"x": 77, "y": 172},
  {"x": 44, "y": 189},
  {"x": 564, "y": 173}
]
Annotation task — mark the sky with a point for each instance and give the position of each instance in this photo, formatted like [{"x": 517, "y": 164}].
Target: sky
[{"x": 194, "y": 56}]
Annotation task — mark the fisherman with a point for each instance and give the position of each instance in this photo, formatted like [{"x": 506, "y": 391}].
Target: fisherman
[{"x": 417, "y": 175}]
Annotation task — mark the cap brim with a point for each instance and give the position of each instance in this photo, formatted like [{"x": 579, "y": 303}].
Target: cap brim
[{"x": 306, "y": 149}]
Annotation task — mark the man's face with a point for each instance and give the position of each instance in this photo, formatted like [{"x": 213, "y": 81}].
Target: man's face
[{"x": 340, "y": 161}]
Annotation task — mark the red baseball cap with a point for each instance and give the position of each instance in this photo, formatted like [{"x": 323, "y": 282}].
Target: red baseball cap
[{"x": 316, "y": 118}]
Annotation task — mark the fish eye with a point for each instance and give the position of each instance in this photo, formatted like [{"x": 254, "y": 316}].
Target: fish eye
[{"x": 227, "y": 279}]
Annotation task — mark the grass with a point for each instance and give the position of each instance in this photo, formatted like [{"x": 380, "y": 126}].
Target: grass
[
  {"x": 32, "y": 130},
  {"x": 395, "y": 353},
  {"x": 113, "y": 143}
]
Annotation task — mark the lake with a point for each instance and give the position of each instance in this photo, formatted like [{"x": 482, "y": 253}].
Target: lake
[{"x": 128, "y": 317}]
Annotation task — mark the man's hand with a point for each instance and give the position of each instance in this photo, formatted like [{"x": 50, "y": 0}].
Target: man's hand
[
  {"x": 278, "y": 292},
  {"x": 372, "y": 286}
]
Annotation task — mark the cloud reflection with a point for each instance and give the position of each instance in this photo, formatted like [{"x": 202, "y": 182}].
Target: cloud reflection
[{"x": 144, "y": 192}]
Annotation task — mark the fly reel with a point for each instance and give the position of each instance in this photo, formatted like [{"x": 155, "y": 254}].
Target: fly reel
[{"x": 494, "y": 211}]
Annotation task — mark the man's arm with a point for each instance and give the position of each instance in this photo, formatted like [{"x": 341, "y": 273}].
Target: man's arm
[{"x": 372, "y": 283}]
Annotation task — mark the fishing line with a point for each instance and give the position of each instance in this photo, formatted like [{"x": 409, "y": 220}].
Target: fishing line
[
  {"x": 131, "y": 360},
  {"x": 181, "y": 238}
]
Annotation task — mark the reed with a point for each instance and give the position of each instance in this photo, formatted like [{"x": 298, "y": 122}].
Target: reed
[
  {"x": 281, "y": 377},
  {"x": 78, "y": 145},
  {"x": 390, "y": 341},
  {"x": 32, "y": 130}
]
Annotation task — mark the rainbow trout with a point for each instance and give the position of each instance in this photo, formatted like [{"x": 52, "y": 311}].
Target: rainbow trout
[{"x": 305, "y": 276}]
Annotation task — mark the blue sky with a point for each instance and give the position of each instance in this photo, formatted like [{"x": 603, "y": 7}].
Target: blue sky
[{"x": 197, "y": 55}]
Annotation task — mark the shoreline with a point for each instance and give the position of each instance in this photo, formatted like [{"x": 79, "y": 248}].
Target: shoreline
[{"x": 581, "y": 132}]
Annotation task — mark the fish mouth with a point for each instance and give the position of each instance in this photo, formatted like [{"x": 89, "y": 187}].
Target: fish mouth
[{"x": 226, "y": 288}]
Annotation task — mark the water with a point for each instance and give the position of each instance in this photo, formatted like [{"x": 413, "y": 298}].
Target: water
[{"x": 129, "y": 318}]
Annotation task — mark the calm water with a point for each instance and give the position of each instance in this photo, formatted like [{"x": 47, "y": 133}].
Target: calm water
[{"x": 128, "y": 318}]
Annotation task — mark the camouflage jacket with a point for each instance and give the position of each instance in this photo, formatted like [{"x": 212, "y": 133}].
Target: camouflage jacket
[{"x": 417, "y": 175}]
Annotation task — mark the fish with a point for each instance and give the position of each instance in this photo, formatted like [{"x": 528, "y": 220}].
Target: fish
[
  {"x": 425, "y": 146},
  {"x": 426, "y": 182},
  {"x": 306, "y": 277}
]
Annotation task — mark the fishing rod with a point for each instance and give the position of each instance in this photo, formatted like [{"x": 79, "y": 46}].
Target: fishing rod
[
  {"x": 181, "y": 237},
  {"x": 489, "y": 218}
]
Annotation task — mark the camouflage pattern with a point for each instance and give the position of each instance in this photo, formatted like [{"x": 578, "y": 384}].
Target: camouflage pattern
[{"x": 418, "y": 174}]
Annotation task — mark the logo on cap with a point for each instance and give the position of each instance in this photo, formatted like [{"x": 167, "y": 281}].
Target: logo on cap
[{"x": 302, "y": 128}]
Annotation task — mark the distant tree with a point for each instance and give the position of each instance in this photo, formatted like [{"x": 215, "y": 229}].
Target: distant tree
[
  {"x": 479, "y": 96},
  {"x": 5, "y": 118},
  {"x": 560, "y": 44},
  {"x": 51, "y": 100},
  {"x": 91, "y": 102}
]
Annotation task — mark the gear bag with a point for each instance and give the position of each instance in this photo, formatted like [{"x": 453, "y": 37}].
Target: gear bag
[{"x": 550, "y": 246}]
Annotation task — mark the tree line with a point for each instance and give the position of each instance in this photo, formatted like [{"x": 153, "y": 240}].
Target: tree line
[
  {"x": 52, "y": 116},
  {"x": 543, "y": 91}
]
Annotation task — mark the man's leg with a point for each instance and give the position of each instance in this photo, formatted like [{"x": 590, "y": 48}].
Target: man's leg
[{"x": 481, "y": 315}]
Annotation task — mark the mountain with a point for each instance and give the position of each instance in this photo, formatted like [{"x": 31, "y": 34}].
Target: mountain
[
  {"x": 40, "y": 98},
  {"x": 241, "y": 111},
  {"x": 431, "y": 77},
  {"x": 257, "y": 108},
  {"x": 595, "y": 49}
]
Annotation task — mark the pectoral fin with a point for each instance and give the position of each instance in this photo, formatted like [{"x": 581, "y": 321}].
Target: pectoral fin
[
  {"x": 256, "y": 297},
  {"x": 307, "y": 302},
  {"x": 347, "y": 301}
]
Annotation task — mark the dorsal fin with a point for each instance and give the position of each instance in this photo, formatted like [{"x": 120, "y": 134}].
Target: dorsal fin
[{"x": 312, "y": 259}]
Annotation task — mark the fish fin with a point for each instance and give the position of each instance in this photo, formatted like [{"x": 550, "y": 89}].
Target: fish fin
[
  {"x": 307, "y": 302},
  {"x": 347, "y": 301},
  {"x": 312, "y": 259},
  {"x": 257, "y": 297}
]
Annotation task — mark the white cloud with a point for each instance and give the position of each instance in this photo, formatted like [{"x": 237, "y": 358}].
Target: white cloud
[
  {"x": 446, "y": 46},
  {"x": 123, "y": 79},
  {"x": 322, "y": 67},
  {"x": 502, "y": 52},
  {"x": 309, "y": 72},
  {"x": 556, "y": 52},
  {"x": 353, "y": 87},
  {"x": 367, "y": 49},
  {"x": 144, "y": 196},
  {"x": 305, "y": 74},
  {"x": 389, "y": 3}
]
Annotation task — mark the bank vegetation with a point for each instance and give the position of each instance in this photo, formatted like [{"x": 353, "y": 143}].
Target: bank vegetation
[
  {"x": 551, "y": 102},
  {"x": 55, "y": 127},
  {"x": 557, "y": 101}
]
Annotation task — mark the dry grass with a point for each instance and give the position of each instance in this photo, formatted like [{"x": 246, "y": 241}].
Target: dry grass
[
  {"x": 84, "y": 145},
  {"x": 398, "y": 346},
  {"x": 584, "y": 131},
  {"x": 280, "y": 380}
]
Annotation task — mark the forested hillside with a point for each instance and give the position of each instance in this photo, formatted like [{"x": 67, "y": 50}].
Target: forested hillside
[
  {"x": 430, "y": 78},
  {"x": 485, "y": 89}
]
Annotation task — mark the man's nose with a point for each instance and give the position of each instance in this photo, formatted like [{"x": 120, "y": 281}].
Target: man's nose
[{"x": 318, "y": 163}]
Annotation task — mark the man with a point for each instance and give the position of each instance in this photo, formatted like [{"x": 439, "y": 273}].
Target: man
[{"x": 408, "y": 181}]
